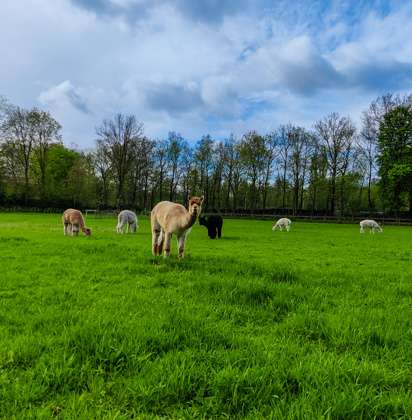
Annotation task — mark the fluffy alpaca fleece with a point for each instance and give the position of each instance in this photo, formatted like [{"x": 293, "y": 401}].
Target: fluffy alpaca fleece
[
  {"x": 171, "y": 218},
  {"x": 369, "y": 224},
  {"x": 282, "y": 222},
  {"x": 127, "y": 217},
  {"x": 74, "y": 220},
  {"x": 214, "y": 225}
]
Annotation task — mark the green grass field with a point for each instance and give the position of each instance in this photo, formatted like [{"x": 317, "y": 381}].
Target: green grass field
[{"x": 315, "y": 323}]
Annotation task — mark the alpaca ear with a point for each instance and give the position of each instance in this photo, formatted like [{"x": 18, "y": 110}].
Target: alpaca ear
[
  {"x": 201, "y": 199},
  {"x": 189, "y": 197}
]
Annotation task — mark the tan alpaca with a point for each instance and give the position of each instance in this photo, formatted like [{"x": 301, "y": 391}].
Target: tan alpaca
[
  {"x": 171, "y": 218},
  {"x": 74, "y": 220}
]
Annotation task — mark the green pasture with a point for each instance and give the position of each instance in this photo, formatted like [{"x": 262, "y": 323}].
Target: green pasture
[{"x": 311, "y": 324}]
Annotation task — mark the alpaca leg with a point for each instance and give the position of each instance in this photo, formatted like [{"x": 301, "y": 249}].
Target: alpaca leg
[
  {"x": 134, "y": 227},
  {"x": 160, "y": 242},
  {"x": 119, "y": 228},
  {"x": 128, "y": 227},
  {"x": 372, "y": 230},
  {"x": 65, "y": 229},
  {"x": 280, "y": 228},
  {"x": 181, "y": 241},
  {"x": 287, "y": 228},
  {"x": 155, "y": 240},
  {"x": 168, "y": 243}
]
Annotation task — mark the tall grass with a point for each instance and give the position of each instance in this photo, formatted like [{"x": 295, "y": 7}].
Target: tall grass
[{"x": 314, "y": 323}]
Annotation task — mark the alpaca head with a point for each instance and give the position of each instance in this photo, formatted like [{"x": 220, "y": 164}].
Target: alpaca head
[
  {"x": 202, "y": 221},
  {"x": 195, "y": 205},
  {"x": 87, "y": 232}
]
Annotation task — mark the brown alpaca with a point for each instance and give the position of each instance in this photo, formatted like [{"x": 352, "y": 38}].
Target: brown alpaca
[
  {"x": 168, "y": 218},
  {"x": 74, "y": 220}
]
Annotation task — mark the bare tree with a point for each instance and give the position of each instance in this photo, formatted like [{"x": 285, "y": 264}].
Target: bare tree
[
  {"x": 175, "y": 149},
  {"x": 5, "y": 109},
  {"x": 255, "y": 156},
  {"x": 218, "y": 160},
  {"x": 317, "y": 176},
  {"x": 104, "y": 170},
  {"x": 44, "y": 132},
  {"x": 187, "y": 166},
  {"x": 17, "y": 132},
  {"x": 117, "y": 138},
  {"x": 161, "y": 164},
  {"x": 232, "y": 172},
  {"x": 141, "y": 170},
  {"x": 337, "y": 137},
  {"x": 271, "y": 145},
  {"x": 283, "y": 158},
  {"x": 302, "y": 145},
  {"x": 229, "y": 161},
  {"x": 203, "y": 155}
]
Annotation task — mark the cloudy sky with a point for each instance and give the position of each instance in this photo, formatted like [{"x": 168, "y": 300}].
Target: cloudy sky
[{"x": 202, "y": 67}]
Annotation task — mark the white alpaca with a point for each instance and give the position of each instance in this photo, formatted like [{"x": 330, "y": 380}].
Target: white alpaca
[
  {"x": 74, "y": 221},
  {"x": 168, "y": 218},
  {"x": 369, "y": 224},
  {"x": 282, "y": 222},
  {"x": 127, "y": 217}
]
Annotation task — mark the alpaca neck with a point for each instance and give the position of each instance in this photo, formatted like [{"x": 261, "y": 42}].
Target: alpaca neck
[{"x": 190, "y": 220}]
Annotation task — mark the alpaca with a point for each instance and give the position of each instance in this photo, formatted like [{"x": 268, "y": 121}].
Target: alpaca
[
  {"x": 74, "y": 220},
  {"x": 369, "y": 224},
  {"x": 127, "y": 217},
  {"x": 282, "y": 222},
  {"x": 214, "y": 225},
  {"x": 168, "y": 218}
]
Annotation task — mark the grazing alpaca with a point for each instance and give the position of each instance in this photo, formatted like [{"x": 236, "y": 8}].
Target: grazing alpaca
[
  {"x": 214, "y": 225},
  {"x": 369, "y": 224},
  {"x": 282, "y": 222},
  {"x": 74, "y": 220},
  {"x": 168, "y": 218},
  {"x": 127, "y": 217}
]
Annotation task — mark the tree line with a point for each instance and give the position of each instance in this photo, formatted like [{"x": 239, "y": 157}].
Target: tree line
[{"x": 334, "y": 168}]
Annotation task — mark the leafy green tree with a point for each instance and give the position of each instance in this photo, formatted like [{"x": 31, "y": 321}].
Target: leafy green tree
[
  {"x": 60, "y": 162},
  {"x": 395, "y": 158},
  {"x": 368, "y": 141}
]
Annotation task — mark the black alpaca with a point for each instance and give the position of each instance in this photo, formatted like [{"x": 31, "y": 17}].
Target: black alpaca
[{"x": 214, "y": 225}]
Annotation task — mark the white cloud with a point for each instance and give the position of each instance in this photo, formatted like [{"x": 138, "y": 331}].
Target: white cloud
[{"x": 65, "y": 93}]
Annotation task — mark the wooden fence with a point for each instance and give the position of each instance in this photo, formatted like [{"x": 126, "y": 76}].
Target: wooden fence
[{"x": 384, "y": 221}]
